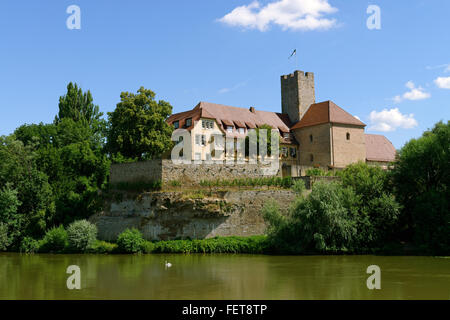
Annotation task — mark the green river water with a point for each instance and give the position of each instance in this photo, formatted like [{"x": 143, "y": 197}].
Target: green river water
[{"x": 222, "y": 277}]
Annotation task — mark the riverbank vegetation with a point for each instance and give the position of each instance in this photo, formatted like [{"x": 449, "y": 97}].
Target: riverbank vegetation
[{"x": 54, "y": 175}]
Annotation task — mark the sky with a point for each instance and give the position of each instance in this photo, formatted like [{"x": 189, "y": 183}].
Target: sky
[{"x": 392, "y": 72}]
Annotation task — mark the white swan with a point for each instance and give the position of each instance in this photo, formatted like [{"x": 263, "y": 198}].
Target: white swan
[{"x": 168, "y": 264}]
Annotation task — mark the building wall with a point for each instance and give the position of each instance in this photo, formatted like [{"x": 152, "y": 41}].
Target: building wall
[
  {"x": 320, "y": 147},
  {"x": 187, "y": 174},
  {"x": 168, "y": 215},
  {"x": 345, "y": 151},
  {"x": 297, "y": 94}
]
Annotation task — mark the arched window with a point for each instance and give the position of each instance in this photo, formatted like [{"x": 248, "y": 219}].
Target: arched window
[
  {"x": 348, "y": 136},
  {"x": 311, "y": 157},
  {"x": 310, "y": 138}
]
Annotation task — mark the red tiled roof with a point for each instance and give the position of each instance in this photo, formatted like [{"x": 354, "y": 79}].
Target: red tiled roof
[
  {"x": 242, "y": 117},
  {"x": 326, "y": 112},
  {"x": 379, "y": 148}
]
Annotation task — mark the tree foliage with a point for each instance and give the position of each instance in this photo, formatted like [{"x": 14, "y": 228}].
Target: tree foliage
[
  {"x": 421, "y": 177},
  {"x": 138, "y": 128}
]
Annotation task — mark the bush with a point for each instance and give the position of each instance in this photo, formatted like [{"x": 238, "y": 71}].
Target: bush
[
  {"x": 55, "y": 240},
  {"x": 147, "y": 247},
  {"x": 421, "y": 177},
  {"x": 102, "y": 247},
  {"x": 299, "y": 186},
  {"x": 130, "y": 241},
  {"x": 322, "y": 222},
  {"x": 317, "y": 172},
  {"x": 81, "y": 235},
  {"x": 29, "y": 245},
  {"x": 4, "y": 240},
  {"x": 254, "y": 244}
]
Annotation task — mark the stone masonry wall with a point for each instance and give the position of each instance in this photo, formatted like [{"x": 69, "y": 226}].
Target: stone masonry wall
[
  {"x": 166, "y": 171},
  {"x": 169, "y": 215}
]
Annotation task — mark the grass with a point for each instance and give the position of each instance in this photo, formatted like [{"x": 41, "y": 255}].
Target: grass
[{"x": 249, "y": 182}]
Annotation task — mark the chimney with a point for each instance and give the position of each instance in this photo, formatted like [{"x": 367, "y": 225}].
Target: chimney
[
  {"x": 252, "y": 110},
  {"x": 297, "y": 94}
]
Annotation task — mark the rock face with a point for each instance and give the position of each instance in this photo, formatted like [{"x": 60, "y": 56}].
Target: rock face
[{"x": 174, "y": 215}]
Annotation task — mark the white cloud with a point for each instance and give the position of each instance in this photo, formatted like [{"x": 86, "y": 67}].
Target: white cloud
[
  {"x": 289, "y": 14},
  {"x": 237, "y": 86},
  {"x": 358, "y": 118},
  {"x": 446, "y": 67},
  {"x": 414, "y": 93},
  {"x": 390, "y": 120},
  {"x": 442, "y": 82}
]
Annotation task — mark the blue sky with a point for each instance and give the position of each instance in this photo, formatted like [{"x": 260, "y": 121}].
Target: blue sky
[{"x": 395, "y": 79}]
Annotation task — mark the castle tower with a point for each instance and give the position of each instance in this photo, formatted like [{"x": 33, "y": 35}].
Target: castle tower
[{"x": 297, "y": 94}]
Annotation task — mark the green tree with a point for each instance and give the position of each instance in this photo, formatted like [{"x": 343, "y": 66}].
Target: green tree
[
  {"x": 378, "y": 210},
  {"x": 268, "y": 137},
  {"x": 324, "y": 221},
  {"x": 71, "y": 153},
  {"x": 137, "y": 128},
  {"x": 421, "y": 176},
  {"x": 78, "y": 106},
  {"x": 26, "y": 189}
]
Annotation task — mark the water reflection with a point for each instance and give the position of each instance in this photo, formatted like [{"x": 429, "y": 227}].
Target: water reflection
[{"x": 222, "y": 277}]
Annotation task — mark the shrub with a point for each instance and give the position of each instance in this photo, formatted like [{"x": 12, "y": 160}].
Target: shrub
[
  {"x": 29, "y": 245},
  {"x": 147, "y": 247},
  {"x": 55, "y": 240},
  {"x": 299, "y": 186},
  {"x": 81, "y": 235},
  {"x": 4, "y": 240},
  {"x": 322, "y": 222},
  {"x": 315, "y": 172},
  {"x": 254, "y": 244},
  {"x": 130, "y": 241},
  {"x": 421, "y": 177},
  {"x": 102, "y": 247},
  {"x": 175, "y": 183}
]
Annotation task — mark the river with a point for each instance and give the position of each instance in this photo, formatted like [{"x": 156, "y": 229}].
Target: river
[{"x": 239, "y": 277}]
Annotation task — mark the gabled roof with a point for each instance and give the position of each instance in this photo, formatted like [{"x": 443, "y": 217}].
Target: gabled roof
[
  {"x": 379, "y": 148},
  {"x": 326, "y": 112},
  {"x": 234, "y": 116}
]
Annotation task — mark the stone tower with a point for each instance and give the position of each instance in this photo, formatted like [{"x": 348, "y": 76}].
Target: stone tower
[{"x": 297, "y": 94}]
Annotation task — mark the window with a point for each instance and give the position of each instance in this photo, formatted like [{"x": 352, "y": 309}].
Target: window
[
  {"x": 200, "y": 139},
  {"x": 293, "y": 152},
  {"x": 241, "y": 130},
  {"x": 310, "y": 138},
  {"x": 203, "y": 140},
  {"x": 348, "y": 136},
  {"x": 311, "y": 157},
  {"x": 229, "y": 129},
  {"x": 207, "y": 124},
  {"x": 198, "y": 156},
  {"x": 286, "y": 135},
  {"x": 176, "y": 124},
  {"x": 284, "y": 151},
  {"x": 188, "y": 122}
]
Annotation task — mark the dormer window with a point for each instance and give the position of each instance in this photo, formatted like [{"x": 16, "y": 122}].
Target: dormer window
[
  {"x": 207, "y": 124},
  {"x": 229, "y": 129},
  {"x": 176, "y": 124},
  {"x": 188, "y": 122},
  {"x": 241, "y": 130},
  {"x": 286, "y": 135}
]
